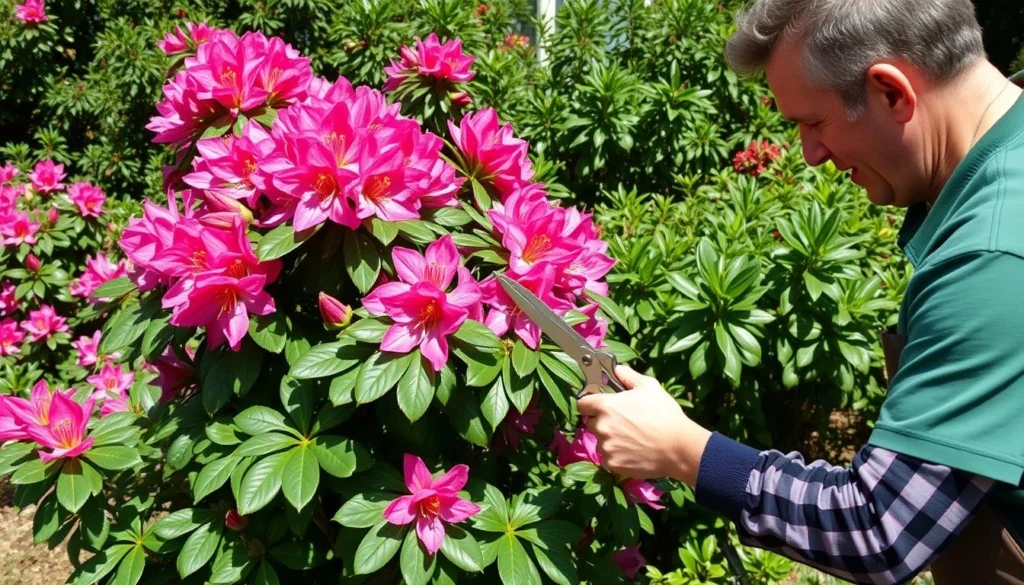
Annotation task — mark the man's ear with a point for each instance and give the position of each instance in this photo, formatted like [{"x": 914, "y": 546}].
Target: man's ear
[{"x": 891, "y": 89}]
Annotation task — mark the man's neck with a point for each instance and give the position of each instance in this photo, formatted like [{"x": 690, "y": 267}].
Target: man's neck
[{"x": 967, "y": 109}]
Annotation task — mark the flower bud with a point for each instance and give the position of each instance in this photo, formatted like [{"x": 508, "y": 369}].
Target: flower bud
[
  {"x": 336, "y": 314},
  {"x": 223, "y": 203},
  {"x": 52, "y": 215},
  {"x": 32, "y": 263},
  {"x": 235, "y": 521},
  {"x": 460, "y": 99},
  {"x": 111, "y": 227},
  {"x": 222, "y": 220}
]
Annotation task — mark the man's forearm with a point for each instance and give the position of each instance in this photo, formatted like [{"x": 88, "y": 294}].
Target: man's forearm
[{"x": 881, "y": 521}]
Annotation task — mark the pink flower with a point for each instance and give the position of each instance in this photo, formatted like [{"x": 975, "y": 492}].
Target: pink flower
[
  {"x": 235, "y": 521},
  {"x": 493, "y": 155},
  {"x": 225, "y": 69},
  {"x": 88, "y": 198},
  {"x": 36, "y": 410},
  {"x": 183, "y": 113},
  {"x": 582, "y": 448},
  {"x": 505, "y": 314},
  {"x": 111, "y": 379},
  {"x": 643, "y": 492},
  {"x": 43, "y": 323},
  {"x": 228, "y": 165},
  {"x": 222, "y": 305},
  {"x": 64, "y": 431},
  {"x": 31, "y": 11},
  {"x": 11, "y": 429},
  {"x": 525, "y": 422},
  {"x": 52, "y": 216},
  {"x": 284, "y": 75},
  {"x": 8, "y": 303},
  {"x": 423, "y": 313},
  {"x": 431, "y": 60},
  {"x": 146, "y": 237},
  {"x": 756, "y": 158},
  {"x": 173, "y": 374},
  {"x": 432, "y": 503},
  {"x": 98, "y": 270},
  {"x": 10, "y": 337},
  {"x": 32, "y": 263},
  {"x": 336, "y": 314},
  {"x": 18, "y": 229},
  {"x": 180, "y": 42},
  {"x": 629, "y": 560},
  {"x": 595, "y": 329},
  {"x": 8, "y": 172},
  {"x": 88, "y": 348},
  {"x": 46, "y": 177}
]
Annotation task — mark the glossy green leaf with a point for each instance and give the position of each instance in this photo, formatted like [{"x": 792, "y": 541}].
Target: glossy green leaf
[
  {"x": 328, "y": 359},
  {"x": 100, "y": 565},
  {"x": 362, "y": 259},
  {"x": 73, "y": 488},
  {"x": 299, "y": 398},
  {"x": 514, "y": 566},
  {"x": 265, "y": 574},
  {"x": 363, "y": 510},
  {"x": 262, "y": 482},
  {"x": 198, "y": 549},
  {"x": 281, "y": 240},
  {"x": 301, "y": 476},
  {"x": 379, "y": 374},
  {"x": 524, "y": 359},
  {"x": 113, "y": 457},
  {"x": 270, "y": 331},
  {"x": 476, "y": 334},
  {"x": 378, "y": 546},
  {"x": 556, "y": 564},
  {"x": 416, "y": 565},
  {"x": 462, "y": 549},
  {"x": 416, "y": 387},
  {"x": 181, "y": 522},
  {"x": 494, "y": 405},
  {"x": 212, "y": 477},
  {"x": 130, "y": 570},
  {"x": 340, "y": 457},
  {"x": 264, "y": 445}
]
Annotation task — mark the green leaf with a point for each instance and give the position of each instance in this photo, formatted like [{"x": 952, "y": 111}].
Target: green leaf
[
  {"x": 261, "y": 483},
  {"x": 94, "y": 526},
  {"x": 35, "y": 471},
  {"x": 610, "y": 308},
  {"x": 270, "y": 331},
  {"x": 156, "y": 338},
  {"x": 298, "y": 556},
  {"x": 725, "y": 343},
  {"x": 379, "y": 374},
  {"x": 416, "y": 388},
  {"x": 131, "y": 567},
  {"x": 524, "y": 359},
  {"x": 581, "y": 471},
  {"x": 476, "y": 334},
  {"x": 232, "y": 563},
  {"x": 265, "y": 445},
  {"x": 257, "y": 420},
  {"x": 417, "y": 567},
  {"x": 328, "y": 359},
  {"x": 384, "y": 231},
  {"x": 551, "y": 534},
  {"x": 12, "y": 454},
  {"x": 624, "y": 519},
  {"x": 495, "y": 404},
  {"x": 100, "y": 565},
  {"x": 462, "y": 549},
  {"x": 265, "y": 574},
  {"x": 535, "y": 505},
  {"x": 301, "y": 476},
  {"x": 494, "y": 516},
  {"x": 558, "y": 396},
  {"x": 198, "y": 549},
  {"x": 343, "y": 387},
  {"x": 480, "y": 195},
  {"x": 416, "y": 231},
  {"x": 125, "y": 327},
  {"x": 225, "y": 373},
  {"x": 281, "y": 240},
  {"x": 514, "y": 566},
  {"x": 340, "y": 457},
  {"x": 367, "y": 330},
  {"x": 113, "y": 457},
  {"x": 73, "y": 488},
  {"x": 299, "y": 398},
  {"x": 113, "y": 289},
  {"x": 378, "y": 547},
  {"x": 181, "y": 522},
  {"x": 212, "y": 477},
  {"x": 557, "y": 565},
  {"x": 224, "y": 434},
  {"x": 363, "y": 510},
  {"x": 362, "y": 260},
  {"x": 518, "y": 389},
  {"x": 699, "y": 360},
  {"x": 48, "y": 518},
  {"x": 464, "y": 411},
  {"x": 450, "y": 217}
]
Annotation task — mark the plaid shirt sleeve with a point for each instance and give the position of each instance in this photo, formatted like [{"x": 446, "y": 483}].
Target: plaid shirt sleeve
[{"x": 882, "y": 520}]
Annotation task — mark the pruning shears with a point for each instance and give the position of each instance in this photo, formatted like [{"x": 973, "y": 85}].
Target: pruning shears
[{"x": 598, "y": 366}]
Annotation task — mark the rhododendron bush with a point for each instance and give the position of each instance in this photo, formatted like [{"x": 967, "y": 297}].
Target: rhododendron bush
[{"x": 308, "y": 368}]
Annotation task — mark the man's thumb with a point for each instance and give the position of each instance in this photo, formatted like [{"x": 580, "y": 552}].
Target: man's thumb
[
  {"x": 590, "y": 405},
  {"x": 629, "y": 377}
]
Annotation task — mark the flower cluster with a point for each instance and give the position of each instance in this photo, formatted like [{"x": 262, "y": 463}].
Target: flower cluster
[
  {"x": 431, "y": 61},
  {"x": 52, "y": 419},
  {"x": 756, "y": 158},
  {"x": 31, "y": 11}
]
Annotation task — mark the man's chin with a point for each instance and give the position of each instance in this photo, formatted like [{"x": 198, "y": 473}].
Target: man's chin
[{"x": 883, "y": 197}]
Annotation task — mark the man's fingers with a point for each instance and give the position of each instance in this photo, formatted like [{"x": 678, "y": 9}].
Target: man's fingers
[
  {"x": 629, "y": 377},
  {"x": 590, "y": 405}
]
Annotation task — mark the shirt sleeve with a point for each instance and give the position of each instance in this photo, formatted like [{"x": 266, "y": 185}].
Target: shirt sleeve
[{"x": 882, "y": 520}]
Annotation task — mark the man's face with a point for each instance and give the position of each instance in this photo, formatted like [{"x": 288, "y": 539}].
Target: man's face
[{"x": 871, "y": 147}]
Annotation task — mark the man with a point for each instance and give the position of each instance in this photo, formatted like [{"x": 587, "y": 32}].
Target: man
[{"x": 900, "y": 93}]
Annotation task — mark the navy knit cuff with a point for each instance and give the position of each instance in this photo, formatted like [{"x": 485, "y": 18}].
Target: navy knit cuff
[{"x": 722, "y": 477}]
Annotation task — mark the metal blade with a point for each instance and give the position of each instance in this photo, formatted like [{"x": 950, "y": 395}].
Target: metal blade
[{"x": 549, "y": 322}]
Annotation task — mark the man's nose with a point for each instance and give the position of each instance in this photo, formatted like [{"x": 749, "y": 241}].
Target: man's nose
[{"x": 815, "y": 152}]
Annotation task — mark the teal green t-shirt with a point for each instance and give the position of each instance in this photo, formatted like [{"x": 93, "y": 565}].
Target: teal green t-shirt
[{"x": 957, "y": 398}]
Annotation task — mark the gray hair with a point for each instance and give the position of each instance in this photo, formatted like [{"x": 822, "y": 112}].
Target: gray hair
[{"x": 841, "y": 39}]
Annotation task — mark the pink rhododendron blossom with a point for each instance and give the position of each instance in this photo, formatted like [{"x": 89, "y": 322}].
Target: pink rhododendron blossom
[
  {"x": 98, "y": 270},
  {"x": 8, "y": 172},
  {"x": 88, "y": 198},
  {"x": 88, "y": 349},
  {"x": 183, "y": 114},
  {"x": 642, "y": 492},
  {"x": 582, "y": 448},
  {"x": 8, "y": 302},
  {"x": 32, "y": 263},
  {"x": 595, "y": 329},
  {"x": 284, "y": 75},
  {"x": 424, "y": 314},
  {"x": 505, "y": 314},
  {"x": 179, "y": 41},
  {"x": 432, "y": 503},
  {"x": 147, "y": 236},
  {"x": 10, "y": 337},
  {"x": 525, "y": 422},
  {"x": 34, "y": 411},
  {"x": 491, "y": 151},
  {"x": 222, "y": 305},
  {"x": 11, "y": 429},
  {"x": 31, "y": 11},
  {"x": 173, "y": 374},
  {"x": 46, "y": 177},
  {"x": 18, "y": 229},
  {"x": 43, "y": 323},
  {"x": 64, "y": 431},
  {"x": 111, "y": 379},
  {"x": 229, "y": 165},
  {"x": 335, "y": 314},
  {"x": 225, "y": 70},
  {"x": 431, "y": 60},
  {"x": 629, "y": 560}
]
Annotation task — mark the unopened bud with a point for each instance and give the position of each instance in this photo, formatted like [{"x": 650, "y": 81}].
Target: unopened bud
[
  {"x": 235, "y": 521},
  {"x": 32, "y": 263},
  {"x": 460, "y": 99},
  {"x": 111, "y": 227},
  {"x": 336, "y": 314},
  {"x": 219, "y": 202},
  {"x": 222, "y": 220},
  {"x": 52, "y": 215}
]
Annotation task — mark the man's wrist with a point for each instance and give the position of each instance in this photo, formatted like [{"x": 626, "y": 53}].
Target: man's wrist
[{"x": 692, "y": 442}]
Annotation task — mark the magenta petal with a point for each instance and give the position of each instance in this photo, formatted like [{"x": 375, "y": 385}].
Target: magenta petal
[
  {"x": 401, "y": 338},
  {"x": 400, "y": 511},
  {"x": 435, "y": 349},
  {"x": 457, "y": 510},
  {"x": 452, "y": 481},
  {"x": 82, "y": 448},
  {"x": 375, "y": 301},
  {"x": 417, "y": 476},
  {"x": 431, "y": 533},
  {"x": 409, "y": 265}
]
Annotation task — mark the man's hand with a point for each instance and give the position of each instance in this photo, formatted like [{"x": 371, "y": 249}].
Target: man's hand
[{"x": 643, "y": 433}]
